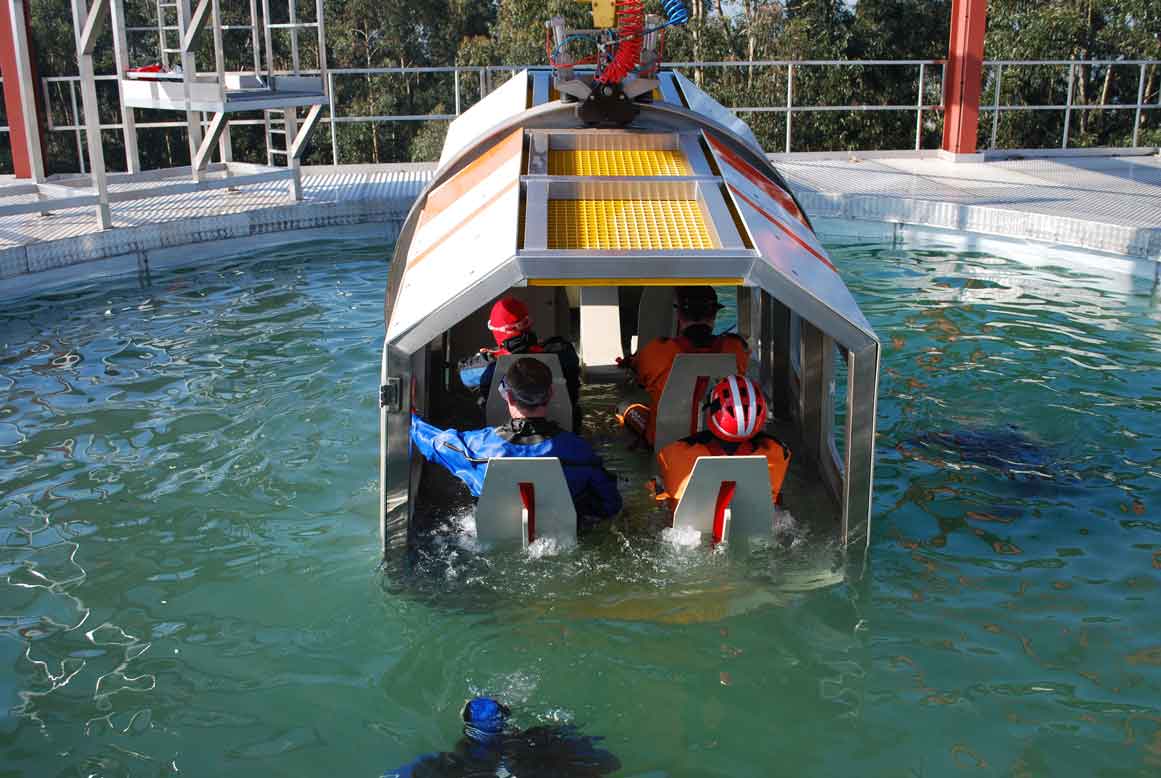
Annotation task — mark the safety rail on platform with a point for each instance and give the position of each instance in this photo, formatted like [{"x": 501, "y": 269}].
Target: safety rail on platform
[
  {"x": 483, "y": 78},
  {"x": 928, "y": 72}
]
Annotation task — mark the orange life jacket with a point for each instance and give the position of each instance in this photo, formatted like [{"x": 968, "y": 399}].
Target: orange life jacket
[
  {"x": 676, "y": 460},
  {"x": 653, "y": 363}
]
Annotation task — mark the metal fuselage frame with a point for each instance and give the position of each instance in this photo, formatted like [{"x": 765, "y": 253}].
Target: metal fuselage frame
[{"x": 802, "y": 323}]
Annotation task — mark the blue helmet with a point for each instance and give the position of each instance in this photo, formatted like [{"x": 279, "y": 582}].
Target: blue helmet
[{"x": 484, "y": 719}]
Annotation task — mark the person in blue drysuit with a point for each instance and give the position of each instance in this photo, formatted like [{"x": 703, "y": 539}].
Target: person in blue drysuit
[
  {"x": 527, "y": 388},
  {"x": 491, "y": 748}
]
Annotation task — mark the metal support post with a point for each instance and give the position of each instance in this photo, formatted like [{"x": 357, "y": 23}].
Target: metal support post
[
  {"x": 86, "y": 24},
  {"x": 1140, "y": 100},
  {"x": 996, "y": 105},
  {"x": 1068, "y": 105},
  {"x": 789, "y": 102},
  {"x": 193, "y": 119},
  {"x": 961, "y": 96},
  {"x": 292, "y": 12},
  {"x": 162, "y": 43},
  {"x": 331, "y": 100},
  {"x": 456, "y": 74},
  {"x": 121, "y": 60},
  {"x": 225, "y": 148},
  {"x": 77, "y": 122},
  {"x": 919, "y": 108}
]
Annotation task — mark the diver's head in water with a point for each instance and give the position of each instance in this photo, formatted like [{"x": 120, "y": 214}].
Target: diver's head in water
[
  {"x": 736, "y": 410},
  {"x": 511, "y": 325},
  {"x": 484, "y": 719},
  {"x": 527, "y": 388},
  {"x": 697, "y": 307}
]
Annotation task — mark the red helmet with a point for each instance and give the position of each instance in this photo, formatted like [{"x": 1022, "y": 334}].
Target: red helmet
[
  {"x": 737, "y": 410},
  {"x": 509, "y": 318}
]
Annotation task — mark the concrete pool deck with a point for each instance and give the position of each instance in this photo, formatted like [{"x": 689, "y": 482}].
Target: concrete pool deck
[{"x": 1105, "y": 206}]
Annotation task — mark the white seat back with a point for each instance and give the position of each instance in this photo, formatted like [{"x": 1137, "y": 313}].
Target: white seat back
[
  {"x": 600, "y": 327},
  {"x": 707, "y": 502},
  {"x": 508, "y": 515},
  {"x": 656, "y": 317},
  {"x": 559, "y": 407},
  {"x": 678, "y": 412}
]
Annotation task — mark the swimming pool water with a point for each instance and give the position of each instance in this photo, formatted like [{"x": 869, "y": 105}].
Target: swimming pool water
[{"x": 189, "y": 550}]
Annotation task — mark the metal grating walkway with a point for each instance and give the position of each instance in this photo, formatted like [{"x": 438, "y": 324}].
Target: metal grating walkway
[
  {"x": 1110, "y": 205},
  {"x": 1107, "y": 204}
]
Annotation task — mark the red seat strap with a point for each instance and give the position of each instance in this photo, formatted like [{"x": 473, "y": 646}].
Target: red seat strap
[
  {"x": 528, "y": 497},
  {"x": 725, "y": 496}
]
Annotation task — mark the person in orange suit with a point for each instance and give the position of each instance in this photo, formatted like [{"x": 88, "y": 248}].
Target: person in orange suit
[
  {"x": 697, "y": 308},
  {"x": 735, "y": 417}
]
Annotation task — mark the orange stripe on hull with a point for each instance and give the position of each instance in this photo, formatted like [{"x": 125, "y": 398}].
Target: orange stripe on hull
[
  {"x": 439, "y": 241},
  {"x": 467, "y": 179}
]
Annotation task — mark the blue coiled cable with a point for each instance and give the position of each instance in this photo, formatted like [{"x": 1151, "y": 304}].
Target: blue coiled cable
[{"x": 675, "y": 11}]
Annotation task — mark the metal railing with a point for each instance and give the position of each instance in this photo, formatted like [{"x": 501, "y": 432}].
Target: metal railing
[
  {"x": 997, "y": 74},
  {"x": 484, "y": 78}
]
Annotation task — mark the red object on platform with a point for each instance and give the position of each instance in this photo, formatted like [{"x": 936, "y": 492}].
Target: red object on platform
[{"x": 965, "y": 67}]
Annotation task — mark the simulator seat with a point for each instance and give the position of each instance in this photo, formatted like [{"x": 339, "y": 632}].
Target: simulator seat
[
  {"x": 727, "y": 498},
  {"x": 655, "y": 316},
  {"x": 679, "y": 411},
  {"x": 559, "y": 407},
  {"x": 524, "y": 499}
]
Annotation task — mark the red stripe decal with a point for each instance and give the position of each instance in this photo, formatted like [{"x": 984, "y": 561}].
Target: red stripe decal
[
  {"x": 528, "y": 497},
  {"x": 725, "y": 495},
  {"x": 758, "y": 179},
  {"x": 791, "y": 233}
]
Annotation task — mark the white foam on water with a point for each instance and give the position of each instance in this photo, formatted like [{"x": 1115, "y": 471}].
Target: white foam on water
[
  {"x": 681, "y": 537},
  {"x": 786, "y": 527},
  {"x": 548, "y": 547},
  {"x": 463, "y": 527}
]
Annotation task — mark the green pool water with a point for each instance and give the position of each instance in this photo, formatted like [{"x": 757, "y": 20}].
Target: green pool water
[{"x": 189, "y": 579}]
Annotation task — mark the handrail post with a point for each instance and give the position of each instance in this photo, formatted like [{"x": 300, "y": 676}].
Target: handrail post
[
  {"x": 996, "y": 105},
  {"x": 331, "y": 109},
  {"x": 456, "y": 74},
  {"x": 919, "y": 109},
  {"x": 1068, "y": 105},
  {"x": 483, "y": 83},
  {"x": 1140, "y": 100},
  {"x": 77, "y": 124},
  {"x": 789, "y": 101}
]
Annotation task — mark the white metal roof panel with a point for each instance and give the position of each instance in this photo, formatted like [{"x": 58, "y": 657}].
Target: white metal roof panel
[
  {"x": 503, "y": 103},
  {"x": 467, "y": 228}
]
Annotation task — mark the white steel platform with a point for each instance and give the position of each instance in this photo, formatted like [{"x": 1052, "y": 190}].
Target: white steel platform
[
  {"x": 1108, "y": 207},
  {"x": 1097, "y": 203}
]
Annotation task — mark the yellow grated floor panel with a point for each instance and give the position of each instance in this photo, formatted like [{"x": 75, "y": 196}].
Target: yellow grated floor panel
[
  {"x": 627, "y": 224},
  {"x": 616, "y": 162}
]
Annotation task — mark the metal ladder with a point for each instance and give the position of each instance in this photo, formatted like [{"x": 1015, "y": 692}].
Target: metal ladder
[
  {"x": 163, "y": 30},
  {"x": 281, "y": 128}
]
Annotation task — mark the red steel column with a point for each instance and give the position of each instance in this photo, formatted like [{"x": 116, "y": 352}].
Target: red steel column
[
  {"x": 21, "y": 156},
  {"x": 965, "y": 64}
]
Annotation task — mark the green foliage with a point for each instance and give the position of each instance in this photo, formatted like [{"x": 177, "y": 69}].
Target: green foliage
[{"x": 371, "y": 34}]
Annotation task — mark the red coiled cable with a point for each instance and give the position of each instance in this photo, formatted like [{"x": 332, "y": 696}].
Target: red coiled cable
[{"x": 630, "y": 40}]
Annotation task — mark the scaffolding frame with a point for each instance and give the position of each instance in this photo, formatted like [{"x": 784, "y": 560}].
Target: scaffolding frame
[{"x": 207, "y": 98}]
